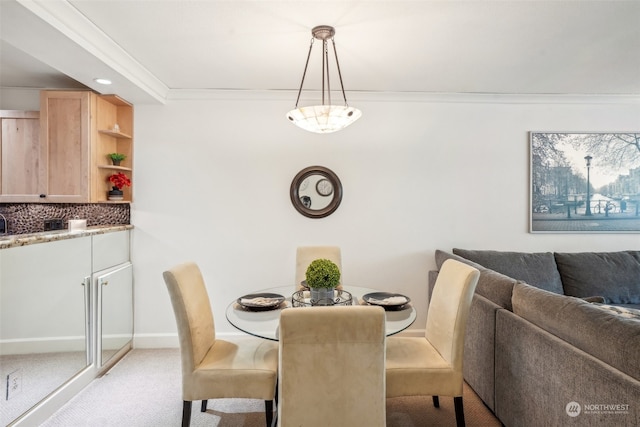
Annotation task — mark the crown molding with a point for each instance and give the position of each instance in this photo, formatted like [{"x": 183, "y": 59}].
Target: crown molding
[
  {"x": 67, "y": 20},
  {"x": 423, "y": 97}
]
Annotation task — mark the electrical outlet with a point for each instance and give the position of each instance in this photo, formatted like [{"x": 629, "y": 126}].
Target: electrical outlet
[
  {"x": 14, "y": 383},
  {"x": 53, "y": 224}
]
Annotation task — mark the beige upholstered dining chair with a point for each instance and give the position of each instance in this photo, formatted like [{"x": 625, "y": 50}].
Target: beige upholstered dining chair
[
  {"x": 306, "y": 254},
  {"x": 332, "y": 367},
  {"x": 432, "y": 365},
  {"x": 213, "y": 368}
]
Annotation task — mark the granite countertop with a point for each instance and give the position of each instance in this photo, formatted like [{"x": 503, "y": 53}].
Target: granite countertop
[{"x": 15, "y": 240}]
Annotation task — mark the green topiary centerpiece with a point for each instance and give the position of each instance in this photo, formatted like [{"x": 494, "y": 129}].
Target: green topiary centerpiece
[{"x": 322, "y": 273}]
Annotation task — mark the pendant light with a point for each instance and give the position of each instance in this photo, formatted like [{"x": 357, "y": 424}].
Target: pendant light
[{"x": 325, "y": 118}]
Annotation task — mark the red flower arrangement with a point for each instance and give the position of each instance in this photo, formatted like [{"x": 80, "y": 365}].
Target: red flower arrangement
[{"x": 120, "y": 180}]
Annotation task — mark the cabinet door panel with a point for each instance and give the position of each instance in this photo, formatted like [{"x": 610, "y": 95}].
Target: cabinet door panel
[
  {"x": 21, "y": 156},
  {"x": 65, "y": 119},
  {"x": 115, "y": 310}
]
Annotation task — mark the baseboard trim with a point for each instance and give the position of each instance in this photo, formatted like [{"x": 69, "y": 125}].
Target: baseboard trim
[
  {"x": 42, "y": 345},
  {"x": 156, "y": 341}
]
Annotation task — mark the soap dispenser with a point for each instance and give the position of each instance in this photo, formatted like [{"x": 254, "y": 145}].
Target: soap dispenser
[{"x": 3, "y": 225}]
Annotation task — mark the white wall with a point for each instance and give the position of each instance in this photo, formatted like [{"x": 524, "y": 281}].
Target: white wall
[
  {"x": 20, "y": 99},
  {"x": 419, "y": 173}
]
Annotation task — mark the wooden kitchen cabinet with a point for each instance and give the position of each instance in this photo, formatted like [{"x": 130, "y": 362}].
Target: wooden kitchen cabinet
[
  {"x": 20, "y": 155},
  {"x": 65, "y": 120},
  {"x": 78, "y": 130}
]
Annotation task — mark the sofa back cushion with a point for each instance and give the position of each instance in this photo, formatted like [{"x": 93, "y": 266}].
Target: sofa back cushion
[
  {"x": 613, "y": 275},
  {"x": 611, "y": 338},
  {"x": 537, "y": 269},
  {"x": 442, "y": 256},
  {"x": 494, "y": 286}
]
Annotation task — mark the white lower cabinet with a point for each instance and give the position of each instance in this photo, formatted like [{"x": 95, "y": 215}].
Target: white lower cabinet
[
  {"x": 66, "y": 316},
  {"x": 112, "y": 282},
  {"x": 114, "y": 313}
]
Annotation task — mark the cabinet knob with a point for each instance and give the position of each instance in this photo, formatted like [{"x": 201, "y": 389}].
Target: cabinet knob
[
  {"x": 105, "y": 283},
  {"x": 42, "y": 196}
]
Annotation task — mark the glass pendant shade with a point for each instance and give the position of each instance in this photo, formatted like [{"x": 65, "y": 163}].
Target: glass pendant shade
[{"x": 324, "y": 118}]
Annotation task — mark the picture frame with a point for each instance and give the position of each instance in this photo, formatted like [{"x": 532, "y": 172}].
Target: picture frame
[
  {"x": 584, "y": 182},
  {"x": 308, "y": 199}
]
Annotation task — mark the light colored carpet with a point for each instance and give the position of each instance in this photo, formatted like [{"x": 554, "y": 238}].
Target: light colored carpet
[{"x": 143, "y": 390}]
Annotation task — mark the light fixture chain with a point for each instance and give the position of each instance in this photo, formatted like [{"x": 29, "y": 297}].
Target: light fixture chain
[
  {"x": 324, "y": 55},
  {"x": 344, "y": 95},
  {"x": 326, "y": 68},
  {"x": 304, "y": 73}
]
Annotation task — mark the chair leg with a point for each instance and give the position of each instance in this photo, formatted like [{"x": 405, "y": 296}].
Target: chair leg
[
  {"x": 436, "y": 401},
  {"x": 274, "y": 419},
  {"x": 457, "y": 402},
  {"x": 268, "y": 409},
  {"x": 203, "y": 407},
  {"x": 276, "y": 394},
  {"x": 186, "y": 413}
]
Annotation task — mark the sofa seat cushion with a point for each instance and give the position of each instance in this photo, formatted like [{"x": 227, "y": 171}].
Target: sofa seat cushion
[
  {"x": 613, "y": 275},
  {"x": 629, "y": 313},
  {"x": 633, "y": 306},
  {"x": 537, "y": 268},
  {"x": 606, "y": 336}
]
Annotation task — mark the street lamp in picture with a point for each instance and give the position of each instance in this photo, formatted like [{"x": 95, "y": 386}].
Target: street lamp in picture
[{"x": 587, "y": 212}]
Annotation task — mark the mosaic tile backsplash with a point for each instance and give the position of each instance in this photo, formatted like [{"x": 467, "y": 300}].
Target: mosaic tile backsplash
[{"x": 25, "y": 218}]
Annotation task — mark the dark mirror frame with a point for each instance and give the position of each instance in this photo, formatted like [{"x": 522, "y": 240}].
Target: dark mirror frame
[{"x": 336, "y": 195}]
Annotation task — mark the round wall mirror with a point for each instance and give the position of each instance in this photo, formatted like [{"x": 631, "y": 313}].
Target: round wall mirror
[{"x": 316, "y": 192}]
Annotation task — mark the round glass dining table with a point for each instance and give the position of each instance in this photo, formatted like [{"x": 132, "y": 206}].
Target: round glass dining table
[{"x": 264, "y": 324}]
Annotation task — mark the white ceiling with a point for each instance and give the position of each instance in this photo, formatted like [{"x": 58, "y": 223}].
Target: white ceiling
[{"x": 153, "y": 48}]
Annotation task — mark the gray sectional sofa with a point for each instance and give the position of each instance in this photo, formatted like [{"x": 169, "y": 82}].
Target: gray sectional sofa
[{"x": 553, "y": 339}]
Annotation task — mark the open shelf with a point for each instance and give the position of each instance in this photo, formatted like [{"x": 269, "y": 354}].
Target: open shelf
[
  {"x": 118, "y": 168},
  {"x": 115, "y": 134},
  {"x": 113, "y": 110}
]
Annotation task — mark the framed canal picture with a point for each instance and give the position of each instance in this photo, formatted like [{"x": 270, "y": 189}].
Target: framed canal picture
[{"x": 585, "y": 182}]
